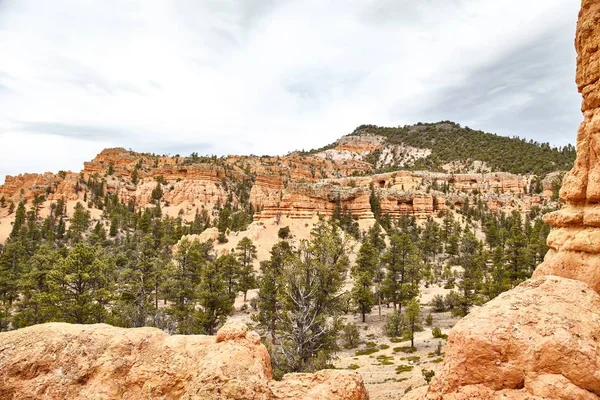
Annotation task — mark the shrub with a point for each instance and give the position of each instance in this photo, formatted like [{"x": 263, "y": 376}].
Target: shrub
[
  {"x": 438, "y": 304},
  {"x": 366, "y": 352},
  {"x": 437, "y": 333},
  {"x": 428, "y": 374},
  {"x": 429, "y": 320},
  {"x": 353, "y": 366},
  {"x": 284, "y": 232},
  {"x": 403, "y": 368},
  {"x": 350, "y": 336},
  {"x": 394, "y": 325},
  {"x": 452, "y": 300}
]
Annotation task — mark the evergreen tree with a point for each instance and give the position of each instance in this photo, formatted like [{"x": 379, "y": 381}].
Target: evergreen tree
[
  {"x": 471, "y": 261},
  {"x": 308, "y": 323},
  {"x": 81, "y": 285},
  {"x": 246, "y": 254},
  {"x": 36, "y": 305},
  {"x": 412, "y": 319},
  {"x": 79, "y": 223},
  {"x": 229, "y": 268},
  {"x": 401, "y": 283},
  {"x": 363, "y": 273},
  {"x": 19, "y": 220},
  {"x": 181, "y": 284},
  {"x": 213, "y": 298},
  {"x": 271, "y": 284}
]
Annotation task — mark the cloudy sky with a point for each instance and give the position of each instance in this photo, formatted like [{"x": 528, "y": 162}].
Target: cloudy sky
[{"x": 271, "y": 76}]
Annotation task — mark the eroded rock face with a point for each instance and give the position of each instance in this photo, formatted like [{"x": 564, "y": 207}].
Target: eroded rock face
[
  {"x": 297, "y": 186},
  {"x": 541, "y": 337},
  {"x": 60, "y": 361},
  {"x": 574, "y": 242},
  {"x": 541, "y": 340}
]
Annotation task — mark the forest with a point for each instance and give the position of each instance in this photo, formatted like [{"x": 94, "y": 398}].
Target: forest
[{"x": 135, "y": 267}]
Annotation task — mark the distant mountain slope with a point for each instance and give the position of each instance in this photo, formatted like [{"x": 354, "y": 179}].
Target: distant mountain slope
[{"x": 449, "y": 142}]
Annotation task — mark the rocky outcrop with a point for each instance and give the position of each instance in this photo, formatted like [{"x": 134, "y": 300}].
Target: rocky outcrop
[
  {"x": 542, "y": 335},
  {"x": 541, "y": 340},
  {"x": 574, "y": 242},
  {"x": 296, "y": 185},
  {"x": 413, "y": 193},
  {"x": 60, "y": 361}
]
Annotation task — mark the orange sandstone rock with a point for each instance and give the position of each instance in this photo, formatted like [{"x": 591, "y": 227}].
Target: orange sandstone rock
[{"x": 64, "y": 361}]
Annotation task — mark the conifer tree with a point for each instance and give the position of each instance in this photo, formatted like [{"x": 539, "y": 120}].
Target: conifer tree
[
  {"x": 271, "y": 284},
  {"x": 363, "y": 273},
  {"x": 401, "y": 283},
  {"x": 81, "y": 285},
  {"x": 213, "y": 298},
  {"x": 246, "y": 254},
  {"x": 412, "y": 319}
]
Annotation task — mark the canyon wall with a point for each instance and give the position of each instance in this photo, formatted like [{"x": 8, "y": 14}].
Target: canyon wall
[{"x": 296, "y": 185}]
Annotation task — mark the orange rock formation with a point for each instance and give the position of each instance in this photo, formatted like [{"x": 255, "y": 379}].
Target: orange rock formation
[{"x": 64, "y": 361}]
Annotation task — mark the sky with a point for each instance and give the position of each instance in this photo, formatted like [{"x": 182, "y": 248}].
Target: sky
[{"x": 272, "y": 76}]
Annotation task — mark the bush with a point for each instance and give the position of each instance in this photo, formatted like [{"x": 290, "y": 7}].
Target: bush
[
  {"x": 350, "y": 336},
  {"x": 284, "y": 232},
  {"x": 394, "y": 325},
  {"x": 428, "y": 374},
  {"x": 353, "y": 366},
  {"x": 403, "y": 368},
  {"x": 437, "y": 333},
  {"x": 366, "y": 352},
  {"x": 438, "y": 304},
  {"x": 452, "y": 300},
  {"x": 429, "y": 320}
]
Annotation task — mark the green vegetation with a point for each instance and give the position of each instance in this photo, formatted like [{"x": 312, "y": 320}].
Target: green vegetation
[{"x": 449, "y": 142}]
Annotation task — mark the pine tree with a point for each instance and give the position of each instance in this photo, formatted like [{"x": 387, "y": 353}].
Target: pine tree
[
  {"x": 472, "y": 262},
  {"x": 36, "y": 305},
  {"x": 375, "y": 202},
  {"x": 229, "y": 268},
  {"x": 271, "y": 284},
  {"x": 80, "y": 285},
  {"x": 308, "y": 324},
  {"x": 401, "y": 283},
  {"x": 181, "y": 284},
  {"x": 213, "y": 298},
  {"x": 412, "y": 319},
  {"x": 19, "y": 220},
  {"x": 363, "y": 273},
  {"x": 246, "y": 254},
  {"x": 79, "y": 223}
]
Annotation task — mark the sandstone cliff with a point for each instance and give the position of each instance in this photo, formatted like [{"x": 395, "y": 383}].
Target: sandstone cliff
[
  {"x": 296, "y": 185},
  {"x": 541, "y": 340},
  {"x": 60, "y": 361}
]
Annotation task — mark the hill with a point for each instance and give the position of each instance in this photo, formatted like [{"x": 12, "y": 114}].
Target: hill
[{"x": 447, "y": 145}]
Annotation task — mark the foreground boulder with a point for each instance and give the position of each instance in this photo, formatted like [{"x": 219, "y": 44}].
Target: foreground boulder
[
  {"x": 65, "y": 361},
  {"x": 539, "y": 341}
]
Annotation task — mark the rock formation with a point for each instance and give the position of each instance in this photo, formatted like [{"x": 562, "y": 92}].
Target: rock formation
[
  {"x": 64, "y": 361},
  {"x": 541, "y": 340},
  {"x": 296, "y": 185}
]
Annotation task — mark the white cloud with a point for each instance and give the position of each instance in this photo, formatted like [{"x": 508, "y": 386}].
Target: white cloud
[{"x": 234, "y": 76}]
